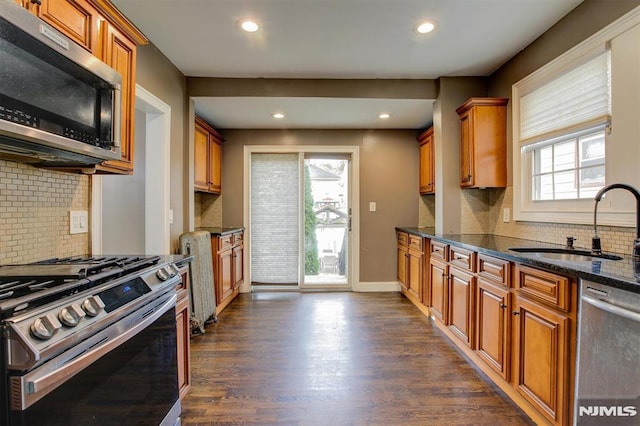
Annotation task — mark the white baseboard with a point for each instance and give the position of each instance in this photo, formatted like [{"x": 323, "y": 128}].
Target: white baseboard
[{"x": 381, "y": 286}]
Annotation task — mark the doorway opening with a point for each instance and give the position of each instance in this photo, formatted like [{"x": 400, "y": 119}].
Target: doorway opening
[{"x": 301, "y": 221}]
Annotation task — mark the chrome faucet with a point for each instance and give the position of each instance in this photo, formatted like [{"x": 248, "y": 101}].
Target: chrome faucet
[{"x": 596, "y": 247}]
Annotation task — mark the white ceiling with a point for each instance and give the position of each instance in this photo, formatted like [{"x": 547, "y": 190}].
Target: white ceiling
[{"x": 337, "y": 39}]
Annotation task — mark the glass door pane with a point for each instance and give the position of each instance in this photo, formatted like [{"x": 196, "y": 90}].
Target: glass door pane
[{"x": 327, "y": 217}]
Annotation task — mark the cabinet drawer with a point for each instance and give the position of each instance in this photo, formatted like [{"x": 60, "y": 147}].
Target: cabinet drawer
[
  {"x": 415, "y": 242},
  {"x": 225, "y": 242},
  {"x": 237, "y": 239},
  {"x": 497, "y": 271},
  {"x": 403, "y": 238},
  {"x": 462, "y": 258},
  {"x": 438, "y": 250},
  {"x": 543, "y": 286}
]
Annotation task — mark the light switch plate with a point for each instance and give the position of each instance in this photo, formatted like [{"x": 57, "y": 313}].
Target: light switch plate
[
  {"x": 506, "y": 215},
  {"x": 78, "y": 222},
  {"x": 372, "y": 206}
]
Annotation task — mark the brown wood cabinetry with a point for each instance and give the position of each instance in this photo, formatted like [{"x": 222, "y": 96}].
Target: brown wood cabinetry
[
  {"x": 544, "y": 347},
  {"x": 183, "y": 334},
  {"x": 228, "y": 267},
  {"x": 100, "y": 28},
  {"x": 493, "y": 320},
  {"x": 77, "y": 19},
  {"x": 461, "y": 304},
  {"x": 483, "y": 149},
  {"x": 427, "y": 164},
  {"x": 208, "y": 158},
  {"x": 515, "y": 322},
  {"x": 411, "y": 265}
]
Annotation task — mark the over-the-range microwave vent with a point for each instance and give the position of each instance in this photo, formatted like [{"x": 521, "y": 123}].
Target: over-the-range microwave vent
[{"x": 38, "y": 154}]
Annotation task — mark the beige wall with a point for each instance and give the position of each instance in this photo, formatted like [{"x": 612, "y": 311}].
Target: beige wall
[
  {"x": 160, "y": 77},
  {"x": 584, "y": 21},
  {"x": 388, "y": 176},
  {"x": 34, "y": 213}
]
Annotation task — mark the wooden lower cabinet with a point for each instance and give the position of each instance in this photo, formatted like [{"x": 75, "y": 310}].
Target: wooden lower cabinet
[
  {"x": 415, "y": 274},
  {"x": 461, "y": 305},
  {"x": 439, "y": 273},
  {"x": 541, "y": 365},
  {"x": 493, "y": 319},
  {"x": 228, "y": 267},
  {"x": 515, "y": 322},
  {"x": 403, "y": 266},
  {"x": 183, "y": 328}
]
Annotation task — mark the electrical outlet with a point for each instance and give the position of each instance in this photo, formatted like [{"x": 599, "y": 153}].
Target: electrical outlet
[
  {"x": 372, "y": 206},
  {"x": 506, "y": 213},
  {"x": 78, "y": 222}
]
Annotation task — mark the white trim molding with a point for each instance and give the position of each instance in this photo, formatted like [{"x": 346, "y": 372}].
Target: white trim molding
[{"x": 378, "y": 286}]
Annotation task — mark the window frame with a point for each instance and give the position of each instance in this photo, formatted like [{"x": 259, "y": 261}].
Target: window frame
[{"x": 573, "y": 211}]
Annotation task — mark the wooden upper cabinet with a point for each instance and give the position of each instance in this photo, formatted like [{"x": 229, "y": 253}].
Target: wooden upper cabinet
[
  {"x": 77, "y": 19},
  {"x": 483, "y": 143},
  {"x": 208, "y": 158},
  {"x": 101, "y": 28},
  {"x": 427, "y": 165},
  {"x": 120, "y": 53},
  {"x": 201, "y": 152}
]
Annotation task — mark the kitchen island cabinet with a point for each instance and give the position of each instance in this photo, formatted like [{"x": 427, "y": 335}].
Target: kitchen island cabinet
[{"x": 99, "y": 27}]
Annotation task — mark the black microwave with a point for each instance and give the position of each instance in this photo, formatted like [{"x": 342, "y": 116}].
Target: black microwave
[{"x": 59, "y": 105}]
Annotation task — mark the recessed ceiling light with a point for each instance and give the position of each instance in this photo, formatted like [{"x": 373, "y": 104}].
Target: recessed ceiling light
[
  {"x": 249, "y": 25},
  {"x": 384, "y": 115},
  {"x": 277, "y": 115},
  {"x": 426, "y": 27}
]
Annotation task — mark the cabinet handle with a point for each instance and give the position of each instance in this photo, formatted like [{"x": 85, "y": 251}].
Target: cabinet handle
[
  {"x": 38, "y": 2},
  {"x": 503, "y": 306},
  {"x": 516, "y": 313}
]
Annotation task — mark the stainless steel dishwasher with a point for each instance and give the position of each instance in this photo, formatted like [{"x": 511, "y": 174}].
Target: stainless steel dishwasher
[{"x": 608, "y": 363}]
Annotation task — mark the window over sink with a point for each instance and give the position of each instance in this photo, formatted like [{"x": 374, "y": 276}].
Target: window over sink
[{"x": 575, "y": 130}]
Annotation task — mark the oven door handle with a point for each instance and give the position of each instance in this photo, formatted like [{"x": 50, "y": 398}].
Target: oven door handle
[
  {"x": 612, "y": 309},
  {"x": 34, "y": 386}
]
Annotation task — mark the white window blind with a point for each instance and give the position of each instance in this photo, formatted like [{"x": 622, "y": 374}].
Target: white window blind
[
  {"x": 275, "y": 207},
  {"x": 578, "y": 98}
]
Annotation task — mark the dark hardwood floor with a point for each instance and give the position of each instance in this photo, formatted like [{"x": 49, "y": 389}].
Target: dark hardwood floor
[{"x": 335, "y": 359}]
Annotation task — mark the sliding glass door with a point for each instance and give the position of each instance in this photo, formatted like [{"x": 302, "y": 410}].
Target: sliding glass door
[{"x": 300, "y": 220}]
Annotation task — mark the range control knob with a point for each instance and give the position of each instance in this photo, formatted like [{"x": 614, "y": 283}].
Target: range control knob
[
  {"x": 71, "y": 315},
  {"x": 92, "y": 306},
  {"x": 163, "y": 274},
  {"x": 45, "y": 327}
]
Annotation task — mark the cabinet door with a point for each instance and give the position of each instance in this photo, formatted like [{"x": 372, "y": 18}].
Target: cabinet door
[
  {"x": 541, "y": 364},
  {"x": 225, "y": 282},
  {"x": 75, "y": 18},
  {"x": 403, "y": 268},
  {"x": 439, "y": 290},
  {"x": 120, "y": 53},
  {"x": 493, "y": 314},
  {"x": 427, "y": 169},
  {"x": 201, "y": 160},
  {"x": 184, "y": 351},
  {"x": 466, "y": 149},
  {"x": 415, "y": 275},
  {"x": 238, "y": 266},
  {"x": 215, "y": 175},
  {"x": 461, "y": 306}
]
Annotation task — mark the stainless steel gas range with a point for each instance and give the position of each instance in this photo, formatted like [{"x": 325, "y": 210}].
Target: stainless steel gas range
[{"x": 89, "y": 341}]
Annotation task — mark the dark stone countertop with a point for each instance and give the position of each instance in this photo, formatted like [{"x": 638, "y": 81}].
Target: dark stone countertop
[
  {"x": 618, "y": 273},
  {"x": 218, "y": 231}
]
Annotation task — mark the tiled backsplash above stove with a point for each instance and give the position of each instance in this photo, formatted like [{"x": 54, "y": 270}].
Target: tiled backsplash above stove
[{"x": 34, "y": 213}]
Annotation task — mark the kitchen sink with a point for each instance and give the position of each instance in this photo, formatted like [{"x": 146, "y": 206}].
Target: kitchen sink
[{"x": 571, "y": 255}]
